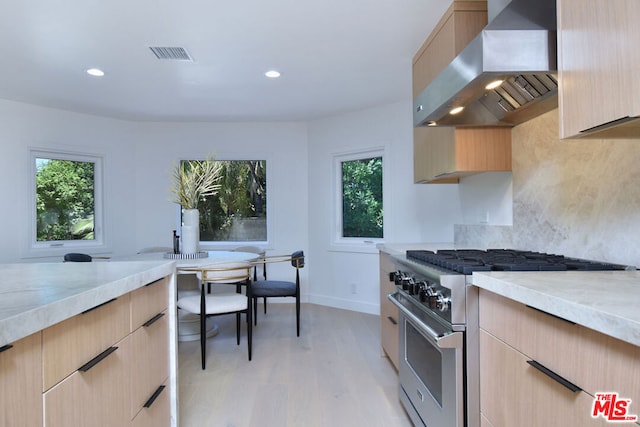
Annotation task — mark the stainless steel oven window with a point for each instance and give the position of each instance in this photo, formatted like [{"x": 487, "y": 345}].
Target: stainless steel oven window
[{"x": 425, "y": 360}]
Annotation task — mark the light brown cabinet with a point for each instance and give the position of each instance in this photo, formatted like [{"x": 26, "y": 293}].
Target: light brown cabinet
[
  {"x": 458, "y": 26},
  {"x": 388, "y": 312},
  {"x": 515, "y": 337},
  {"x": 97, "y": 396},
  {"x": 150, "y": 366},
  {"x": 598, "y": 62},
  {"x": 445, "y": 154},
  {"x": 21, "y": 382},
  {"x": 110, "y": 366}
]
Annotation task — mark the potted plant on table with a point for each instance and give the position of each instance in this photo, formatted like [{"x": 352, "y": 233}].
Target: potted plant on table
[{"x": 193, "y": 180}]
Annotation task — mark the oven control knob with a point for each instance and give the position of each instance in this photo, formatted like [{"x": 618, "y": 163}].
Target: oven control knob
[
  {"x": 422, "y": 290},
  {"x": 443, "y": 303},
  {"x": 397, "y": 277},
  {"x": 411, "y": 286}
]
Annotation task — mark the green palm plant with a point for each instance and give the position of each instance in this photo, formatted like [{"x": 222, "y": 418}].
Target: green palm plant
[{"x": 193, "y": 180}]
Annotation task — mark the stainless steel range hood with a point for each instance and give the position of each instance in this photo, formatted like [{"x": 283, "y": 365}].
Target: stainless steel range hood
[{"x": 518, "y": 47}]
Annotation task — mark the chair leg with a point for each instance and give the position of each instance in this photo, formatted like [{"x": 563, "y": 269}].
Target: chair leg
[
  {"x": 255, "y": 310},
  {"x": 249, "y": 332},
  {"x": 238, "y": 328},
  {"x": 298, "y": 315},
  {"x": 203, "y": 339},
  {"x": 264, "y": 301}
]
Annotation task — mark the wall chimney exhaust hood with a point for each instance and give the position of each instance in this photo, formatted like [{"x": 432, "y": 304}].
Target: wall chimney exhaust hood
[{"x": 518, "y": 49}]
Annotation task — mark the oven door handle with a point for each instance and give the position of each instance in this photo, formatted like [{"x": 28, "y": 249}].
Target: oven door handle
[{"x": 450, "y": 340}]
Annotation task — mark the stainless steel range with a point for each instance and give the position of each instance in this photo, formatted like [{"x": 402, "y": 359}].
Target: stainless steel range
[{"x": 439, "y": 365}]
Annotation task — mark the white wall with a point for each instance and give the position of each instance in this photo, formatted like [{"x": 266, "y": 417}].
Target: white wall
[
  {"x": 23, "y": 126},
  {"x": 138, "y": 160},
  {"x": 413, "y": 212}
]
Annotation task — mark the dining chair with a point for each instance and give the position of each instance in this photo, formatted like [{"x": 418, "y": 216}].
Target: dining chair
[
  {"x": 220, "y": 303},
  {"x": 77, "y": 257},
  {"x": 278, "y": 288},
  {"x": 254, "y": 250}
]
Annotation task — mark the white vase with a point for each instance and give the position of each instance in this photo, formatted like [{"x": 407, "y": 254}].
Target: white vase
[{"x": 190, "y": 231}]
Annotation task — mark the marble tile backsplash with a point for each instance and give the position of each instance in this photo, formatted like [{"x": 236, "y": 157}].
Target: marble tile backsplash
[{"x": 579, "y": 198}]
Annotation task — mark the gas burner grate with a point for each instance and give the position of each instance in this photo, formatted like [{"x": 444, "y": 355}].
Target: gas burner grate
[{"x": 466, "y": 261}]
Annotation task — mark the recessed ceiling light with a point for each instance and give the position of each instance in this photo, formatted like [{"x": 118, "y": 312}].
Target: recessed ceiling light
[
  {"x": 96, "y": 72},
  {"x": 494, "y": 84},
  {"x": 273, "y": 74},
  {"x": 431, "y": 123},
  {"x": 456, "y": 110}
]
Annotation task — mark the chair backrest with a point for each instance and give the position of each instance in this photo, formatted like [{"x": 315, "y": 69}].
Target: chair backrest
[
  {"x": 228, "y": 272},
  {"x": 297, "y": 259},
  {"x": 76, "y": 257},
  {"x": 254, "y": 250}
]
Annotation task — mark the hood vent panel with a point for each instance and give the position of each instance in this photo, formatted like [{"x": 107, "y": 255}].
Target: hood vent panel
[{"x": 517, "y": 47}]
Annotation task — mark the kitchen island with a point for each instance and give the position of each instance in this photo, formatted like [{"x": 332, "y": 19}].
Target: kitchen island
[{"x": 89, "y": 334}]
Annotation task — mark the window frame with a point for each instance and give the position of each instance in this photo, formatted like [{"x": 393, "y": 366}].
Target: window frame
[
  {"x": 227, "y": 244},
  {"x": 57, "y": 247},
  {"x": 357, "y": 244}
]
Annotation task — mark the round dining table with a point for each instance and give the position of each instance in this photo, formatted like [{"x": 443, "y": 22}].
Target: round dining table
[{"x": 188, "y": 283}]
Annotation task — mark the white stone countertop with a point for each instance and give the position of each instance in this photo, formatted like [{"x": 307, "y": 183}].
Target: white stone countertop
[
  {"x": 34, "y": 296},
  {"x": 605, "y": 301}
]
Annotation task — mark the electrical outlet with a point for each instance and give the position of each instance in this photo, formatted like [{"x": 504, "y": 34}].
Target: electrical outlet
[{"x": 354, "y": 288}]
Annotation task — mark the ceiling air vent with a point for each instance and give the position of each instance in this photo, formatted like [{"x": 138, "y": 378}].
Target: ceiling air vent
[{"x": 171, "y": 53}]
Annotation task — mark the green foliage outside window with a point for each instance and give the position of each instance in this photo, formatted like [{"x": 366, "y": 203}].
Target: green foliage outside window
[
  {"x": 362, "y": 198},
  {"x": 64, "y": 200},
  {"x": 238, "y": 211}
]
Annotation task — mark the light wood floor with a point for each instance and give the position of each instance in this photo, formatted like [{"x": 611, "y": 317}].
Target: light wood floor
[{"x": 332, "y": 375}]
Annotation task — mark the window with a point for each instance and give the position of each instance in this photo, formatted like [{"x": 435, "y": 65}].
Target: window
[
  {"x": 238, "y": 213},
  {"x": 359, "y": 179},
  {"x": 67, "y": 204}
]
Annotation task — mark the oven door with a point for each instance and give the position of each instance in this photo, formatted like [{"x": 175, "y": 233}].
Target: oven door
[{"x": 431, "y": 371}]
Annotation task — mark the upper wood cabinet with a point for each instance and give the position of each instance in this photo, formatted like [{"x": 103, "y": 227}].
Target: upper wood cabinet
[
  {"x": 458, "y": 26},
  {"x": 598, "y": 63},
  {"x": 445, "y": 154}
]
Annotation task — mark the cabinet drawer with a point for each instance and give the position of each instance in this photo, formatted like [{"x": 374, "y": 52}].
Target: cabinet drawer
[
  {"x": 69, "y": 344},
  {"x": 158, "y": 411},
  {"x": 20, "y": 382},
  {"x": 516, "y": 394},
  {"x": 591, "y": 360},
  {"x": 148, "y": 301},
  {"x": 98, "y": 397},
  {"x": 150, "y": 366}
]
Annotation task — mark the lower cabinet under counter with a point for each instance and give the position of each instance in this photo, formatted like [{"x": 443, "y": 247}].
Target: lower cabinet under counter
[
  {"x": 21, "y": 382},
  {"x": 537, "y": 369},
  {"x": 99, "y": 396}
]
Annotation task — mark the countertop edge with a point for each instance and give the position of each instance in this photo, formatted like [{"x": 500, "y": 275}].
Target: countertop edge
[
  {"x": 31, "y": 321},
  {"x": 601, "y": 319}
]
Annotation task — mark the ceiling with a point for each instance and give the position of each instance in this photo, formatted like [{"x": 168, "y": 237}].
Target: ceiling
[{"x": 335, "y": 56}]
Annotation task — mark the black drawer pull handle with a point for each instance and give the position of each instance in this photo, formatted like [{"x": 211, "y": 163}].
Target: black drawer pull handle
[
  {"x": 99, "y": 305},
  {"x": 552, "y": 315},
  {"x": 153, "y": 320},
  {"x": 93, "y": 362},
  {"x": 153, "y": 283},
  {"x": 5, "y": 347},
  {"x": 571, "y": 386},
  {"x": 607, "y": 125},
  {"x": 392, "y": 320},
  {"x": 154, "y": 396}
]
